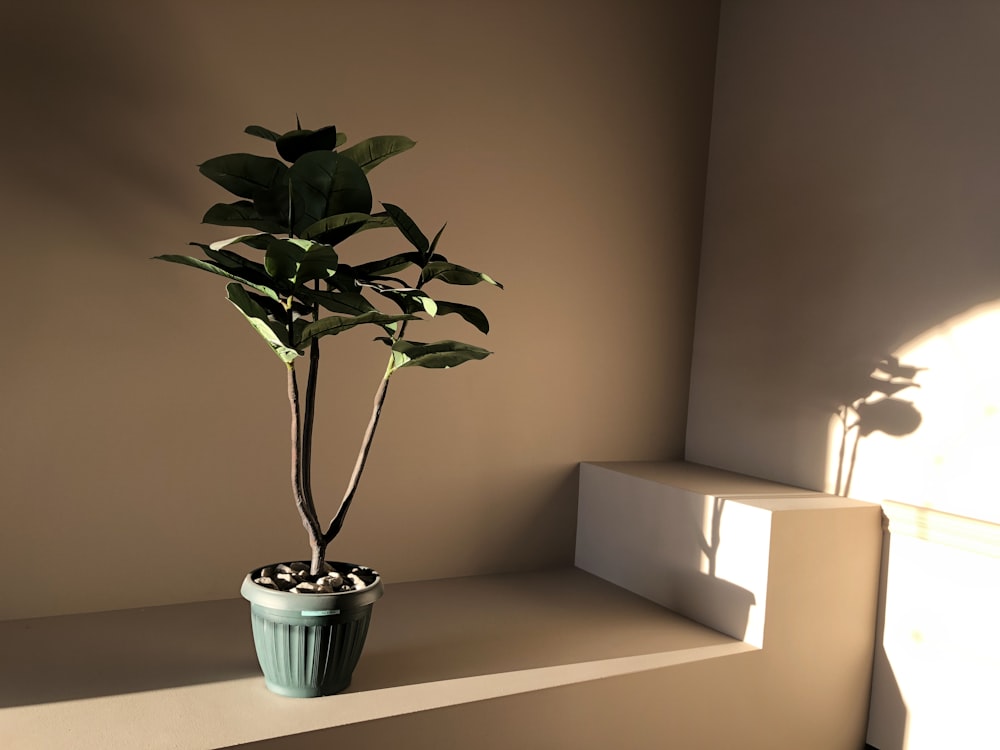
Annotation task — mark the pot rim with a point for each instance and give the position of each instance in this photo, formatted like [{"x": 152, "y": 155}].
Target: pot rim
[{"x": 312, "y": 604}]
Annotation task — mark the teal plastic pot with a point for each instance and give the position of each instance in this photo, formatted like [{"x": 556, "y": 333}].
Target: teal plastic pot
[{"x": 309, "y": 644}]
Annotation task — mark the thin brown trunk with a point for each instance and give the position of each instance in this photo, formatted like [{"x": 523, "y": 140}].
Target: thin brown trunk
[
  {"x": 318, "y": 557},
  {"x": 308, "y": 420},
  {"x": 306, "y": 510},
  {"x": 366, "y": 444},
  {"x": 359, "y": 465}
]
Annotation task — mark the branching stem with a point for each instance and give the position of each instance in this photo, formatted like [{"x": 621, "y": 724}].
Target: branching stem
[{"x": 366, "y": 443}]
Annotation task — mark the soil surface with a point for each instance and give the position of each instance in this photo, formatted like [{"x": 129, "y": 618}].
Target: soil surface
[{"x": 295, "y": 577}]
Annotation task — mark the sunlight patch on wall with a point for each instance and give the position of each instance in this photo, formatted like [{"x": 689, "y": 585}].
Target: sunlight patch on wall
[{"x": 928, "y": 434}]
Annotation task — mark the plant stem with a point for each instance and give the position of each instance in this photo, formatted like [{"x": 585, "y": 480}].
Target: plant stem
[
  {"x": 366, "y": 444},
  {"x": 359, "y": 465},
  {"x": 318, "y": 556},
  {"x": 303, "y": 503},
  {"x": 308, "y": 420}
]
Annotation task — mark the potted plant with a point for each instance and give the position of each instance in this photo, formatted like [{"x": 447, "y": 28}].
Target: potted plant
[{"x": 287, "y": 278}]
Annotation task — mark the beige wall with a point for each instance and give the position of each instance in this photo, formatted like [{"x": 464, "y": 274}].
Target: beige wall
[
  {"x": 851, "y": 215},
  {"x": 143, "y": 441}
]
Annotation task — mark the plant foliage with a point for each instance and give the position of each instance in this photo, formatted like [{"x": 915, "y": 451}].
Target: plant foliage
[{"x": 287, "y": 277}]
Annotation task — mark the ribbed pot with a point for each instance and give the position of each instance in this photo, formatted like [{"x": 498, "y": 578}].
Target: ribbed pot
[{"x": 309, "y": 644}]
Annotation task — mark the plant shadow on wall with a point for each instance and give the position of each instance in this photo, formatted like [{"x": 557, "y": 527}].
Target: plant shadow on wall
[
  {"x": 698, "y": 589},
  {"x": 876, "y": 408}
]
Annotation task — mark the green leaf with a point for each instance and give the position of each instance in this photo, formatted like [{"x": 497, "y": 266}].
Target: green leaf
[
  {"x": 409, "y": 229},
  {"x": 335, "y": 229},
  {"x": 258, "y": 240},
  {"x": 218, "y": 271},
  {"x": 440, "y": 354},
  {"x": 295, "y": 260},
  {"x": 434, "y": 243},
  {"x": 241, "y": 214},
  {"x": 319, "y": 262},
  {"x": 350, "y": 303},
  {"x": 275, "y": 310},
  {"x": 322, "y": 185},
  {"x": 470, "y": 314},
  {"x": 452, "y": 273},
  {"x": 272, "y": 332},
  {"x": 260, "y": 132},
  {"x": 371, "y": 152},
  {"x": 408, "y": 300},
  {"x": 273, "y": 205},
  {"x": 245, "y": 175},
  {"x": 249, "y": 269},
  {"x": 282, "y": 259},
  {"x": 387, "y": 266},
  {"x": 296, "y": 143},
  {"x": 344, "y": 280},
  {"x": 334, "y": 324}
]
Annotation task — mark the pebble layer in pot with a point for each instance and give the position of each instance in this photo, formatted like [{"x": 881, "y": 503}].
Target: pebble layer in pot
[{"x": 287, "y": 276}]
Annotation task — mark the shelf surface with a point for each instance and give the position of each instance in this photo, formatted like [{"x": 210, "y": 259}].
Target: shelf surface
[{"x": 185, "y": 676}]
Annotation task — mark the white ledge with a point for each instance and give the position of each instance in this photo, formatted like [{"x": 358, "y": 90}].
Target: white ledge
[
  {"x": 783, "y": 581},
  {"x": 185, "y": 676}
]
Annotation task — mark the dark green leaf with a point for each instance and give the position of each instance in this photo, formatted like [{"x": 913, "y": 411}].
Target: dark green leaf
[
  {"x": 434, "y": 243},
  {"x": 258, "y": 240},
  {"x": 408, "y": 300},
  {"x": 386, "y": 266},
  {"x": 282, "y": 259},
  {"x": 322, "y": 185},
  {"x": 437, "y": 355},
  {"x": 335, "y": 229},
  {"x": 334, "y": 325},
  {"x": 351, "y": 303},
  {"x": 273, "y": 205},
  {"x": 241, "y": 214},
  {"x": 300, "y": 308},
  {"x": 319, "y": 262},
  {"x": 260, "y": 132},
  {"x": 275, "y": 334},
  {"x": 296, "y": 143},
  {"x": 218, "y": 271},
  {"x": 275, "y": 310},
  {"x": 371, "y": 152},
  {"x": 249, "y": 270},
  {"x": 409, "y": 229},
  {"x": 245, "y": 175},
  {"x": 470, "y": 314},
  {"x": 451, "y": 273},
  {"x": 229, "y": 259},
  {"x": 344, "y": 280}
]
